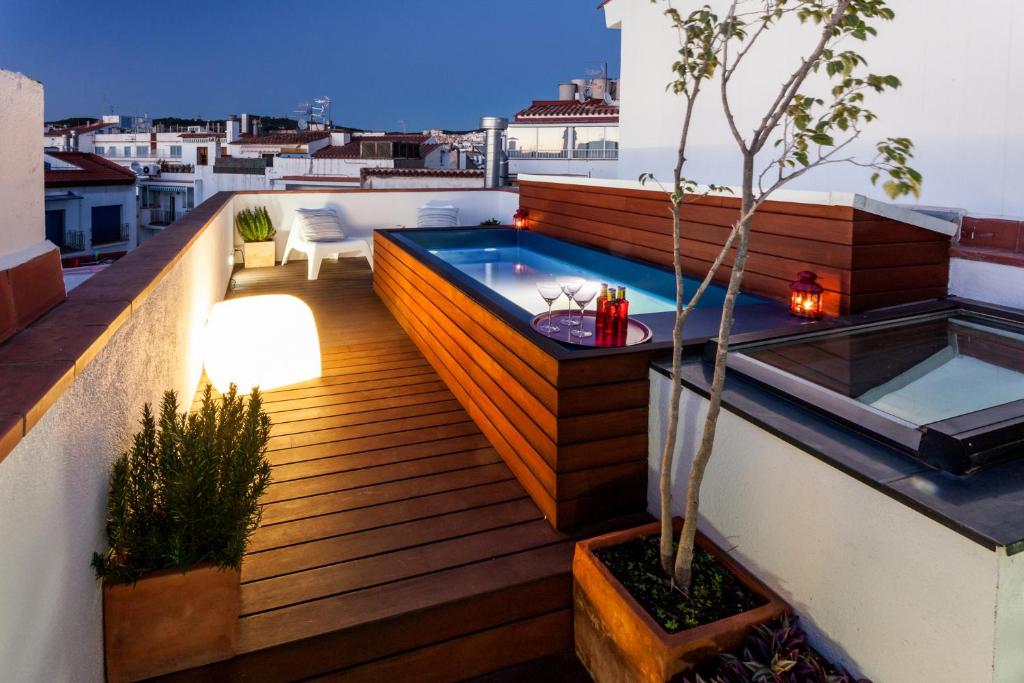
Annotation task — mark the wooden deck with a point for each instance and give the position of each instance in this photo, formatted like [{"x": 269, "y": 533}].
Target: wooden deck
[{"x": 395, "y": 543}]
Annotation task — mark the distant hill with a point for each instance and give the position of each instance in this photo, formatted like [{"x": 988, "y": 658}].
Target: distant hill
[{"x": 72, "y": 121}]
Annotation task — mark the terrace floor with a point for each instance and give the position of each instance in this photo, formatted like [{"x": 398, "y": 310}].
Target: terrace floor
[{"x": 395, "y": 543}]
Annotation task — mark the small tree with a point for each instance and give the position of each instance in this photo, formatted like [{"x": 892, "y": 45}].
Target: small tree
[{"x": 805, "y": 132}]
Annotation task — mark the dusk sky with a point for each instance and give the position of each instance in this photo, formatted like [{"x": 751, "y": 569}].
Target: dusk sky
[{"x": 433, "y": 64}]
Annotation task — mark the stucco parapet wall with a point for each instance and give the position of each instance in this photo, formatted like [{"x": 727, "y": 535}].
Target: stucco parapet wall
[
  {"x": 39, "y": 363},
  {"x": 845, "y": 199}
]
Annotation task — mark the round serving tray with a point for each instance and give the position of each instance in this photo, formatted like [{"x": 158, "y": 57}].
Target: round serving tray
[{"x": 636, "y": 333}]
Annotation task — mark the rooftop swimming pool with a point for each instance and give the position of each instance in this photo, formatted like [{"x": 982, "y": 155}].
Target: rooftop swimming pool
[{"x": 510, "y": 263}]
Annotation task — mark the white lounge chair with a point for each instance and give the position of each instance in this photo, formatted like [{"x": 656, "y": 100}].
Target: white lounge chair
[{"x": 316, "y": 250}]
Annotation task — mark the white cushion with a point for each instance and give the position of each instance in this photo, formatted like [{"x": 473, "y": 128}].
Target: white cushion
[
  {"x": 319, "y": 225},
  {"x": 433, "y": 215}
]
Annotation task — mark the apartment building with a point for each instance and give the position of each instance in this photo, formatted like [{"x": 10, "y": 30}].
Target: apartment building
[{"x": 90, "y": 204}]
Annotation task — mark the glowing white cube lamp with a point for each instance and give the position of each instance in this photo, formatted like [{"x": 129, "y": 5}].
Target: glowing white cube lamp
[{"x": 266, "y": 341}]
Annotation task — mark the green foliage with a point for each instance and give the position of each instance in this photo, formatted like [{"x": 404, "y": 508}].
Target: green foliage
[
  {"x": 491, "y": 221},
  {"x": 715, "y": 593},
  {"x": 254, "y": 225},
  {"x": 187, "y": 490}
]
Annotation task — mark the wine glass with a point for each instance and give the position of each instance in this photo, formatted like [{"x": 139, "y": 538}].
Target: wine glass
[
  {"x": 570, "y": 285},
  {"x": 550, "y": 291},
  {"x": 583, "y": 296}
]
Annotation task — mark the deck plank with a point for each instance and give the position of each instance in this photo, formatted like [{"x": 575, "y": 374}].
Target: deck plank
[{"x": 393, "y": 536}]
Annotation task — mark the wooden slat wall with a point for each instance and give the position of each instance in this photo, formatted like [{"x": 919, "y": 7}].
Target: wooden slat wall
[
  {"x": 863, "y": 261},
  {"x": 574, "y": 433}
]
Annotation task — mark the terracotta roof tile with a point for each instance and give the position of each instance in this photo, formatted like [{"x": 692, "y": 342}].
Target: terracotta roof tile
[
  {"x": 323, "y": 178},
  {"x": 425, "y": 172},
  {"x": 285, "y": 138},
  {"x": 92, "y": 170},
  {"x": 568, "y": 111},
  {"x": 187, "y": 136}
]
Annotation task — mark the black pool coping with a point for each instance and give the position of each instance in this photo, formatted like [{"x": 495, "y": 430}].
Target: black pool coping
[
  {"x": 985, "y": 506},
  {"x": 701, "y": 325}
]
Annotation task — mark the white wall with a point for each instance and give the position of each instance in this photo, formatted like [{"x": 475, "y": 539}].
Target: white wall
[
  {"x": 210, "y": 183},
  {"x": 53, "y": 485},
  {"x": 589, "y": 168},
  {"x": 880, "y": 588},
  {"x": 362, "y": 212},
  {"x": 22, "y": 227},
  {"x": 960, "y": 64},
  {"x": 992, "y": 282}
]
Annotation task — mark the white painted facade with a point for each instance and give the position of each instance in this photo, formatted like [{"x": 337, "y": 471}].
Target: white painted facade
[
  {"x": 962, "y": 114},
  {"x": 77, "y": 203},
  {"x": 560, "y": 155},
  {"x": 22, "y": 230},
  {"x": 125, "y": 148},
  {"x": 880, "y": 588}
]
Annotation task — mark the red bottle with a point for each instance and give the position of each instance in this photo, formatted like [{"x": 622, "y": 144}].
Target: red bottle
[
  {"x": 621, "y": 317},
  {"x": 607, "y": 337},
  {"x": 599, "y": 318}
]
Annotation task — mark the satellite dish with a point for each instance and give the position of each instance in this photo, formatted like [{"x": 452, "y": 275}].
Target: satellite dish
[{"x": 303, "y": 124}]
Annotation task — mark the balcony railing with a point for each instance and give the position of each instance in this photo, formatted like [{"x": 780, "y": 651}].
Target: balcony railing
[
  {"x": 162, "y": 217},
  {"x": 565, "y": 154},
  {"x": 595, "y": 153},
  {"x": 166, "y": 167},
  {"x": 74, "y": 240}
]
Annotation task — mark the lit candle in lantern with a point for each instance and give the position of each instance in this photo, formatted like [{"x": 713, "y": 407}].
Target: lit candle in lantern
[
  {"x": 805, "y": 295},
  {"x": 519, "y": 218}
]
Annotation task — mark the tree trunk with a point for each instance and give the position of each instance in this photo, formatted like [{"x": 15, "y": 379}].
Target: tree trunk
[
  {"x": 665, "y": 475},
  {"x": 683, "y": 570}
]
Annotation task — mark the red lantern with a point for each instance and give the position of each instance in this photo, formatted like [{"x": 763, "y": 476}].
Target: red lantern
[
  {"x": 805, "y": 295},
  {"x": 519, "y": 218}
]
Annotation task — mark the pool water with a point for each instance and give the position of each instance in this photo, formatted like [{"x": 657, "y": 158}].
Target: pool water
[
  {"x": 514, "y": 272},
  {"x": 511, "y": 264}
]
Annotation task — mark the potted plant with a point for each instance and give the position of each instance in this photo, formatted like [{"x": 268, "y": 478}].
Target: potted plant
[
  {"x": 653, "y": 602},
  {"x": 257, "y": 232},
  {"x": 184, "y": 499}
]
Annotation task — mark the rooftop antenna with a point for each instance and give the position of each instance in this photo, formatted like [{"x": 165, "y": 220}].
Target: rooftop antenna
[
  {"x": 401, "y": 122},
  {"x": 321, "y": 110},
  {"x": 304, "y": 113}
]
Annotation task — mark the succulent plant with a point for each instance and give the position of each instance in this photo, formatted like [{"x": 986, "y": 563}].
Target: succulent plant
[{"x": 777, "y": 652}]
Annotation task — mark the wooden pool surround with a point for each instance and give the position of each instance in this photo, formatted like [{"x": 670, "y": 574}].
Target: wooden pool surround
[{"x": 570, "y": 424}]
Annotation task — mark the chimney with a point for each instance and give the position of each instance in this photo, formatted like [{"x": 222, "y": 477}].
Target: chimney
[
  {"x": 231, "y": 127},
  {"x": 67, "y": 142},
  {"x": 496, "y": 164},
  {"x": 73, "y": 144},
  {"x": 246, "y": 123}
]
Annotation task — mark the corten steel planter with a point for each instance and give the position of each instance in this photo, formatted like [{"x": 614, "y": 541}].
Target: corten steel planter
[
  {"x": 169, "y": 621},
  {"x": 259, "y": 254},
  {"x": 618, "y": 641}
]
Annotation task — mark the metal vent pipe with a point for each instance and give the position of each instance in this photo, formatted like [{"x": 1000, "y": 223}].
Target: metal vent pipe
[{"x": 495, "y": 164}]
